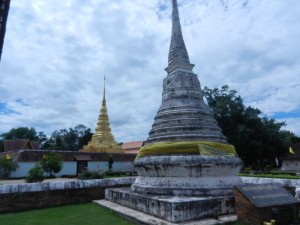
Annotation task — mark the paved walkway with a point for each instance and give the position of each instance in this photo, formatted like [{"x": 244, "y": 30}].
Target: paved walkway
[{"x": 22, "y": 181}]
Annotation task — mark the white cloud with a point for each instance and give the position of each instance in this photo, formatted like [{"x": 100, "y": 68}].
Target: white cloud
[{"x": 56, "y": 54}]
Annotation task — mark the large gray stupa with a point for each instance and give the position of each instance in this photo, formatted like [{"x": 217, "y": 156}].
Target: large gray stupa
[
  {"x": 183, "y": 115},
  {"x": 186, "y": 170}
]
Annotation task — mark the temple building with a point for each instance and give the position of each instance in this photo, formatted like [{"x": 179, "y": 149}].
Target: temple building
[
  {"x": 103, "y": 140},
  {"x": 19, "y": 144},
  {"x": 4, "y": 8}
]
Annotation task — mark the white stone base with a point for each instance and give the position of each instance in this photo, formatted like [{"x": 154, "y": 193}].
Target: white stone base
[
  {"x": 172, "y": 208},
  {"x": 138, "y": 217},
  {"x": 187, "y": 175}
]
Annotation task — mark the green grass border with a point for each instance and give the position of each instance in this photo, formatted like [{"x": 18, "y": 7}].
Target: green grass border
[
  {"x": 266, "y": 175},
  {"x": 79, "y": 214}
]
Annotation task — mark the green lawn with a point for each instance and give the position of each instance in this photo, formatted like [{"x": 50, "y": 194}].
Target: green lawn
[
  {"x": 266, "y": 175},
  {"x": 82, "y": 214}
]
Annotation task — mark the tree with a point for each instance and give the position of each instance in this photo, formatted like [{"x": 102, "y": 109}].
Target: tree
[
  {"x": 71, "y": 140},
  {"x": 22, "y": 133},
  {"x": 1, "y": 145},
  {"x": 51, "y": 163},
  {"x": 258, "y": 140},
  {"x": 35, "y": 174},
  {"x": 7, "y": 165},
  {"x": 110, "y": 163}
]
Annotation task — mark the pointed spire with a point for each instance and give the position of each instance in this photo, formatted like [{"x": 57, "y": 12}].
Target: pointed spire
[
  {"x": 103, "y": 139},
  {"x": 103, "y": 128},
  {"x": 178, "y": 55},
  {"x": 104, "y": 100}
]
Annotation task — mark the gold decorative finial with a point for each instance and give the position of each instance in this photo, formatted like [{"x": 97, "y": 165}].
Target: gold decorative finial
[{"x": 102, "y": 140}]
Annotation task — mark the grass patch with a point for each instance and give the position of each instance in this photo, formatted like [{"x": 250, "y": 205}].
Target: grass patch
[
  {"x": 87, "y": 214},
  {"x": 267, "y": 175}
]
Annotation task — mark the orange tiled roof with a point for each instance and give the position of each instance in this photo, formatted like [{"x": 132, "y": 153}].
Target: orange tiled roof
[{"x": 132, "y": 145}]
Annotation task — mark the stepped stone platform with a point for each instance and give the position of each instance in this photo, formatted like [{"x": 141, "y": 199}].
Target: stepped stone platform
[
  {"x": 172, "y": 208},
  {"x": 146, "y": 219}
]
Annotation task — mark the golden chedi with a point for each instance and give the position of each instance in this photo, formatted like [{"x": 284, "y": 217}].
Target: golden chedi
[{"x": 103, "y": 140}]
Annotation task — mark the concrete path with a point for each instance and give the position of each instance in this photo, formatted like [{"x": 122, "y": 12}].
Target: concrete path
[{"x": 145, "y": 219}]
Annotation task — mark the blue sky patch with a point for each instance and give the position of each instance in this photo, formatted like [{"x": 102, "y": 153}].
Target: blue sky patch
[
  {"x": 4, "y": 109},
  {"x": 284, "y": 115}
]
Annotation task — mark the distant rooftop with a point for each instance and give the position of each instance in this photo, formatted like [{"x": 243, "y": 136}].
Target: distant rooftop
[
  {"x": 132, "y": 145},
  {"x": 18, "y": 144}
]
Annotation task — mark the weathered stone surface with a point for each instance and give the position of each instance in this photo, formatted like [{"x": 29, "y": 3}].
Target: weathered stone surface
[
  {"x": 172, "y": 208},
  {"x": 263, "y": 180},
  {"x": 139, "y": 217},
  {"x": 192, "y": 175},
  {"x": 183, "y": 115},
  {"x": 64, "y": 185},
  {"x": 20, "y": 197},
  {"x": 182, "y": 187}
]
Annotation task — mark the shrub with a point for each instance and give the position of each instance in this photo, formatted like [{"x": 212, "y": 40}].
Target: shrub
[
  {"x": 6, "y": 167},
  {"x": 51, "y": 163},
  {"x": 110, "y": 163},
  {"x": 35, "y": 174},
  {"x": 247, "y": 170},
  {"x": 115, "y": 173},
  {"x": 268, "y": 168},
  {"x": 91, "y": 174}
]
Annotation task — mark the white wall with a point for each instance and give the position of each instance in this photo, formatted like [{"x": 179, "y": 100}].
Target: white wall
[
  {"x": 117, "y": 166},
  {"x": 291, "y": 165},
  {"x": 23, "y": 169},
  {"x": 69, "y": 168}
]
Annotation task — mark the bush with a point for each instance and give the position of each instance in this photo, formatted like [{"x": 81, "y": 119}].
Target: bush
[
  {"x": 6, "y": 167},
  {"x": 247, "y": 170},
  {"x": 110, "y": 163},
  {"x": 35, "y": 174},
  {"x": 51, "y": 163},
  {"x": 91, "y": 174},
  {"x": 268, "y": 168},
  {"x": 115, "y": 173}
]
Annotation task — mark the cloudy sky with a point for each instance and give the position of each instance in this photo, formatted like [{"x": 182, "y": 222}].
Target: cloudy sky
[{"x": 56, "y": 54}]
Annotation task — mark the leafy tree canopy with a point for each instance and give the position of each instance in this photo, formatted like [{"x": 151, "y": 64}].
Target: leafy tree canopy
[
  {"x": 72, "y": 139},
  {"x": 258, "y": 139},
  {"x": 51, "y": 163},
  {"x": 22, "y": 133}
]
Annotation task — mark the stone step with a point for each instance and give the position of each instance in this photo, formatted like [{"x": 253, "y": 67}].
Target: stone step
[{"x": 145, "y": 219}]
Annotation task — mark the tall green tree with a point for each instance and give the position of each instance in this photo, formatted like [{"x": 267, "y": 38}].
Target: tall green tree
[
  {"x": 71, "y": 140},
  {"x": 22, "y": 133},
  {"x": 258, "y": 140}
]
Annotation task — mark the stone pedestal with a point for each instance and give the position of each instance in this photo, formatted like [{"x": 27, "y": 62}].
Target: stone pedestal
[
  {"x": 187, "y": 175},
  {"x": 181, "y": 188},
  {"x": 172, "y": 208}
]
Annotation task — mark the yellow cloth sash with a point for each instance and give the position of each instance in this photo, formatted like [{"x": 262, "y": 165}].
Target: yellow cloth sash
[{"x": 190, "y": 148}]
